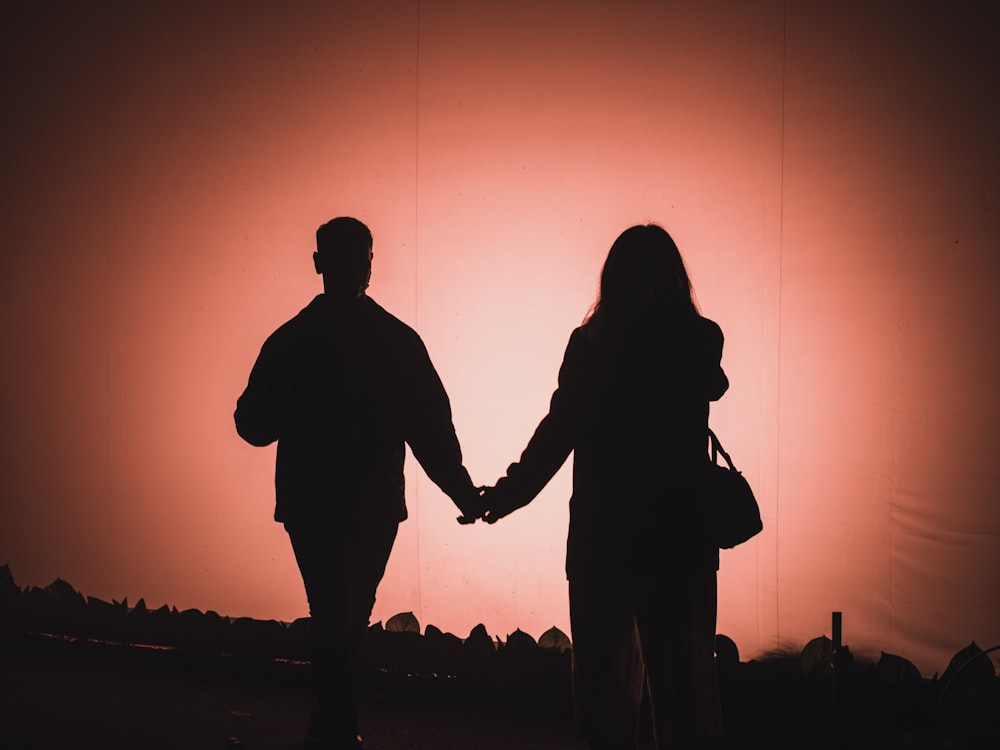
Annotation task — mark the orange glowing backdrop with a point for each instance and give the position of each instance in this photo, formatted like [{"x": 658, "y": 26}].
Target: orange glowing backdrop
[{"x": 829, "y": 171}]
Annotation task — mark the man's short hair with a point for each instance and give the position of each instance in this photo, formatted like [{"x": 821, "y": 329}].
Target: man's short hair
[{"x": 343, "y": 236}]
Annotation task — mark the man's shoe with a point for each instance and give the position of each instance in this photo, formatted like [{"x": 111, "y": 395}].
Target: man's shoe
[
  {"x": 332, "y": 730},
  {"x": 341, "y": 744}
]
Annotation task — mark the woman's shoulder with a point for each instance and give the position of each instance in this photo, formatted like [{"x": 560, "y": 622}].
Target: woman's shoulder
[
  {"x": 708, "y": 328},
  {"x": 708, "y": 342}
]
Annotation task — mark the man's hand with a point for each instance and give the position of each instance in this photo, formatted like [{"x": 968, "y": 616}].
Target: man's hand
[{"x": 471, "y": 506}]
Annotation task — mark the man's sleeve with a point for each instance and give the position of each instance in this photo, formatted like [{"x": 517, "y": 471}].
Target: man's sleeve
[
  {"x": 430, "y": 431},
  {"x": 259, "y": 409}
]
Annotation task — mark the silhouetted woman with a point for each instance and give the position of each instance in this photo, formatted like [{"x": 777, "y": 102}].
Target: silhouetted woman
[{"x": 632, "y": 405}]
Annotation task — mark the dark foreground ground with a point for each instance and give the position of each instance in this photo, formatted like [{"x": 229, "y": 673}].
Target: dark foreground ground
[
  {"x": 60, "y": 693},
  {"x": 72, "y": 675}
]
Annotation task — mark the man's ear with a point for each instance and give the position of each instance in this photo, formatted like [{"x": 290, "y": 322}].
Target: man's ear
[{"x": 317, "y": 264}]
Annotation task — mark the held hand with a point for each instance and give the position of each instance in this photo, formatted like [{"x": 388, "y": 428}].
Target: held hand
[
  {"x": 472, "y": 507},
  {"x": 496, "y": 505}
]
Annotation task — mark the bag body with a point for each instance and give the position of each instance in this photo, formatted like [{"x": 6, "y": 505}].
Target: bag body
[{"x": 730, "y": 509}]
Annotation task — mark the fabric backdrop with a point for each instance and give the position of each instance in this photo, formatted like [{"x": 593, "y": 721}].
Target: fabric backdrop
[{"x": 829, "y": 171}]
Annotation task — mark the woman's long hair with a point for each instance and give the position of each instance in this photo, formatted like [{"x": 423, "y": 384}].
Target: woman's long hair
[{"x": 643, "y": 282}]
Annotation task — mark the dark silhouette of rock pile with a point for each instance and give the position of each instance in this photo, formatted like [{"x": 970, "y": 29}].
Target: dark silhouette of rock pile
[
  {"x": 395, "y": 655},
  {"x": 787, "y": 699}
]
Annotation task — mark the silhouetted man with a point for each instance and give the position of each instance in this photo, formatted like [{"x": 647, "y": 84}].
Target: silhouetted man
[{"x": 342, "y": 387}]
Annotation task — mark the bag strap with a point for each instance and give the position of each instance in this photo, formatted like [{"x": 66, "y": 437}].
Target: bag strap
[{"x": 717, "y": 450}]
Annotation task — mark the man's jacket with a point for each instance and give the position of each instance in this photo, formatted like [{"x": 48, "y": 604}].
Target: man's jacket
[{"x": 343, "y": 391}]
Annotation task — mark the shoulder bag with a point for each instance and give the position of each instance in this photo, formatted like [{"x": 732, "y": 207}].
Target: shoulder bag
[{"x": 731, "y": 513}]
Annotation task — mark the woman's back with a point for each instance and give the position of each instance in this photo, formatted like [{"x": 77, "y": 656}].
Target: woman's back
[{"x": 641, "y": 432}]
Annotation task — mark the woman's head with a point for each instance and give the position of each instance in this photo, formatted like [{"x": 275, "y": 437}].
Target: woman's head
[{"x": 644, "y": 275}]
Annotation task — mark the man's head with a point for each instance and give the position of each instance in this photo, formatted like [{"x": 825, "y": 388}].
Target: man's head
[{"x": 344, "y": 257}]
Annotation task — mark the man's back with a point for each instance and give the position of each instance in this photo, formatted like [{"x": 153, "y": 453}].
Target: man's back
[{"x": 342, "y": 388}]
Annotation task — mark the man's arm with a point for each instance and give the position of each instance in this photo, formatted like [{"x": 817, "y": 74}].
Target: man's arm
[
  {"x": 259, "y": 411},
  {"x": 430, "y": 433}
]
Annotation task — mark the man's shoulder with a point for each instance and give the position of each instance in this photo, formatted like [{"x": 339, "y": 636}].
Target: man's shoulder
[
  {"x": 304, "y": 319},
  {"x": 385, "y": 322},
  {"x": 317, "y": 317}
]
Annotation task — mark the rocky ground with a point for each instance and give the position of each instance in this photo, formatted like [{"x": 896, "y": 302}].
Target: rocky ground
[{"x": 81, "y": 673}]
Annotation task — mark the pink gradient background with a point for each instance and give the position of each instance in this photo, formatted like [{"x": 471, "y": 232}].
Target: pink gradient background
[{"x": 829, "y": 171}]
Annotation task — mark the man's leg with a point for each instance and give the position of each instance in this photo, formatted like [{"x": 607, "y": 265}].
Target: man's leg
[
  {"x": 372, "y": 545},
  {"x": 340, "y": 571}
]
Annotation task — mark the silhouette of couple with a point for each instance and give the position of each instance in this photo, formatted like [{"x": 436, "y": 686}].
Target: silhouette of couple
[{"x": 344, "y": 386}]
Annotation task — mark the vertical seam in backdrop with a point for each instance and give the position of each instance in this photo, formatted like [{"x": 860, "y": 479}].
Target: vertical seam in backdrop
[
  {"x": 781, "y": 233},
  {"x": 416, "y": 291}
]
